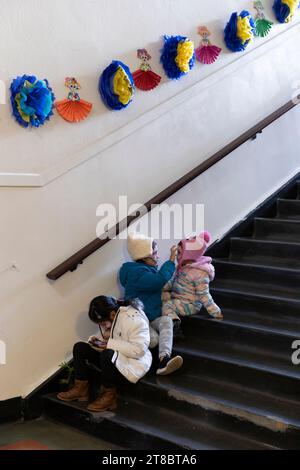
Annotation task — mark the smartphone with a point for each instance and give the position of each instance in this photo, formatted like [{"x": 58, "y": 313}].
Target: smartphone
[{"x": 98, "y": 342}]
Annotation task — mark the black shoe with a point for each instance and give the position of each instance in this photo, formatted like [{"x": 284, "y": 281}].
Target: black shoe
[{"x": 168, "y": 365}]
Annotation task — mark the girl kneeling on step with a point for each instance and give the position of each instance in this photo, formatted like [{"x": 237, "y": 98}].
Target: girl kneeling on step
[
  {"x": 185, "y": 294},
  {"x": 120, "y": 353}
]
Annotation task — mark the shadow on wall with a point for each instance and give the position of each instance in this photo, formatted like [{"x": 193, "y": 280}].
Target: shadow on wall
[{"x": 84, "y": 327}]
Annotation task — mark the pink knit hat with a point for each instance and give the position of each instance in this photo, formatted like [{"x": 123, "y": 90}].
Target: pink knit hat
[{"x": 193, "y": 249}]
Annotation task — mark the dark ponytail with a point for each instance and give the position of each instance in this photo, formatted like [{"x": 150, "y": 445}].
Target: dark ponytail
[
  {"x": 102, "y": 306},
  {"x": 134, "y": 303}
]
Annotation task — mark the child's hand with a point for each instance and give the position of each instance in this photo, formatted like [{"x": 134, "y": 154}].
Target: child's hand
[
  {"x": 100, "y": 344},
  {"x": 173, "y": 253},
  {"x": 94, "y": 341}
]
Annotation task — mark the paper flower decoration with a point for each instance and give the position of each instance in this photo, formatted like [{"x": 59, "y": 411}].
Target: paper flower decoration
[
  {"x": 178, "y": 56},
  {"x": 262, "y": 25},
  {"x": 206, "y": 53},
  {"x": 285, "y": 10},
  {"x": 73, "y": 109},
  {"x": 240, "y": 31},
  {"x": 32, "y": 101},
  {"x": 116, "y": 86},
  {"x": 144, "y": 78}
]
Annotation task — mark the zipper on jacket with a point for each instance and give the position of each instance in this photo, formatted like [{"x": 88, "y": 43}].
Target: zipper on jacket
[
  {"x": 112, "y": 333},
  {"x": 114, "y": 324}
]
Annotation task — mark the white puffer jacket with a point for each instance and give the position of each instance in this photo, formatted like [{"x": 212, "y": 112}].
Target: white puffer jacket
[{"x": 130, "y": 339}]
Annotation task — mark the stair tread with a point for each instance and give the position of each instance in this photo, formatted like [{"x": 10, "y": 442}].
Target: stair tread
[
  {"x": 277, "y": 228},
  {"x": 230, "y": 398},
  {"x": 169, "y": 426},
  {"x": 237, "y": 290},
  {"x": 266, "y": 252},
  {"x": 288, "y": 208},
  {"x": 235, "y": 340},
  {"x": 250, "y": 323},
  {"x": 256, "y": 322},
  {"x": 276, "y": 292},
  {"x": 251, "y": 360},
  {"x": 248, "y": 264}
]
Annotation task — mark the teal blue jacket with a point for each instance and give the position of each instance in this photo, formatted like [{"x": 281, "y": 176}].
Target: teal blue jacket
[{"x": 146, "y": 282}]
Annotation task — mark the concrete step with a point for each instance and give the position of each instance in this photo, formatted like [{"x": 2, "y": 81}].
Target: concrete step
[
  {"x": 256, "y": 278},
  {"x": 277, "y": 229},
  {"x": 288, "y": 209},
  {"x": 140, "y": 425},
  {"x": 265, "y": 252}
]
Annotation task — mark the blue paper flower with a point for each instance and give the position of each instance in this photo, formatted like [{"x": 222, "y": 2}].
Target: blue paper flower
[
  {"x": 240, "y": 31},
  {"x": 285, "y": 9},
  {"x": 116, "y": 86},
  {"x": 32, "y": 100},
  {"x": 177, "y": 56}
]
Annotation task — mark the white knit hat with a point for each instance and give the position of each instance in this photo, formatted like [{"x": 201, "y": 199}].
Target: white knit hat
[{"x": 139, "y": 246}]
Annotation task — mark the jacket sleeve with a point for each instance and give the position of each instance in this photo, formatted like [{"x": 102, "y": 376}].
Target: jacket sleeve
[
  {"x": 138, "y": 343},
  {"x": 150, "y": 281},
  {"x": 204, "y": 296}
]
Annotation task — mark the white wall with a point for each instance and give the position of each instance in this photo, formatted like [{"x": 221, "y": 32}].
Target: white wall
[
  {"x": 137, "y": 152},
  {"x": 63, "y": 37}
]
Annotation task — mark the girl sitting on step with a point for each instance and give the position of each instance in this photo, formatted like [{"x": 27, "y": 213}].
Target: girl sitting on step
[
  {"x": 185, "y": 294},
  {"x": 120, "y": 353},
  {"x": 143, "y": 279}
]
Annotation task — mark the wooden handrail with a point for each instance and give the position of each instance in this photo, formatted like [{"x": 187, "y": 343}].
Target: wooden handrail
[{"x": 73, "y": 261}]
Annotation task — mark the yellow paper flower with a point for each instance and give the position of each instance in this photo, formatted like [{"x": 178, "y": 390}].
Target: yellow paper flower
[
  {"x": 293, "y": 5},
  {"x": 122, "y": 86},
  {"x": 244, "y": 30},
  {"x": 185, "y": 51}
]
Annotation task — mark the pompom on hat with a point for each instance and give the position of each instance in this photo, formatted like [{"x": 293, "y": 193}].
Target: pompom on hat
[
  {"x": 193, "y": 249},
  {"x": 139, "y": 246}
]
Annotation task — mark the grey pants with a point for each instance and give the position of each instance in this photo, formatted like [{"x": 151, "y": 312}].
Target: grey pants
[{"x": 161, "y": 334}]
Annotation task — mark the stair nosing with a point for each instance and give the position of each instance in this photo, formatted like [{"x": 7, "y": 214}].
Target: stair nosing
[
  {"x": 230, "y": 262},
  {"x": 276, "y": 219},
  {"x": 288, "y": 200},
  {"x": 266, "y": 241}
]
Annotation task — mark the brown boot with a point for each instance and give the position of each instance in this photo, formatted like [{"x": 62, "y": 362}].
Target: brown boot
[
  {"x": 107, "y": 401},
  {"x": 79, "y": 391}
]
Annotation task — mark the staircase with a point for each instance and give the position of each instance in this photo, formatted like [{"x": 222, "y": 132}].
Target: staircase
[{"x": 238, "y": 388}]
